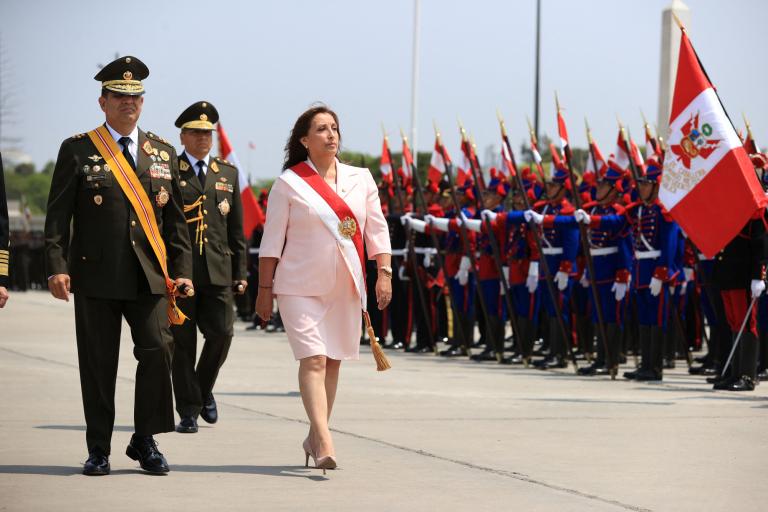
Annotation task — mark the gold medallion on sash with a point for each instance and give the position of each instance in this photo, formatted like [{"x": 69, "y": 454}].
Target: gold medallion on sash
[{"x": 347, "y": 228}]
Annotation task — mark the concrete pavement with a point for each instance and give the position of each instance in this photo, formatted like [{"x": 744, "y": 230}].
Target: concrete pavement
[{"x": 430, "y": 434}]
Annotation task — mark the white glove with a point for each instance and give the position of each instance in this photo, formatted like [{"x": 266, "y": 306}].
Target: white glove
[
  {"x": 532, "y": 281},
  {"x": 619, "y": 290},
  {"x": 439, "y": 223},
  {"x": 401, "y": 273},
  {"x": 505, "y": 277},
  {"x": 584, "y": 281},
  {"x": 488, "y": 215},
  {"x": 427, "y": 259},
  {"x": 582, "y": 216},
  {"x": 683, "y": 288},
  {"x": 404, "y": 218},
  {"x": 531, "y": 215},
  {"x": 417, "y": 225},
  {"x": 473, "y": 224},
  {"x": 655, "y": 286},
  {"x": 463, "y": 274},
  {"x": 561, "y": 278},
  {"x": 688, "y": 271},
  {"x": 758, "y": 287}
]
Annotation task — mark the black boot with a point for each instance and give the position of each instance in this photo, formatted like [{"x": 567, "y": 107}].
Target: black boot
[
  {"x": 644, "y": 335},
  {"x": 654, "y": 371},
  {"x": 747, "y": 354},
  {"x": 613, "y": 342}
]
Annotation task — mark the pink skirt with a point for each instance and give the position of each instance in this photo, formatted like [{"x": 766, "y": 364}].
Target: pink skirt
[{"x": 324, "y": 325}]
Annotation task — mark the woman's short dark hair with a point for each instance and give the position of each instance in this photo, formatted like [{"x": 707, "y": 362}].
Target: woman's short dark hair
[{"x": 295, "y": 152}]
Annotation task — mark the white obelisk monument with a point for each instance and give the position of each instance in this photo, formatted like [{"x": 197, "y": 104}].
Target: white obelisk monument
[{"x": 670, "y": 47}]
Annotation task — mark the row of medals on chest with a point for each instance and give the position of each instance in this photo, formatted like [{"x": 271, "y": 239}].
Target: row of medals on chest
[{"x": 162, "y": 197}]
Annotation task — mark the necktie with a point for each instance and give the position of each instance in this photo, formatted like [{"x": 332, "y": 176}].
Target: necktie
[
  {"x": 201, "y": 172},
  {"x": 125, "y": 142}
]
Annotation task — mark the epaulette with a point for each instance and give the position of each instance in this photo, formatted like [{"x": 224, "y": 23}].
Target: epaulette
[
  {"x": 158, "y": 138},
  {"x": 225, "y": 162},
  {"x": 78, "y": 136}
]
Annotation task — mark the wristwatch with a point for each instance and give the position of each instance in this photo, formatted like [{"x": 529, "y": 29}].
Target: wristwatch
[{"x": 387, "y": 271}]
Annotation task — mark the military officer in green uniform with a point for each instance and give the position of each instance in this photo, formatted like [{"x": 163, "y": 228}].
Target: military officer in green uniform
[
  {"x": 209, "y": 188},
  {"x": 4, "y": 240},
  {"x": 109, "y": 259}
]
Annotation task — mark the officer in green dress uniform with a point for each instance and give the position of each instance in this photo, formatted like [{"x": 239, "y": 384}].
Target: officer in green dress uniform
[
  {"x": 211, "y": 194},
  {"x": 98, "y": 248}
]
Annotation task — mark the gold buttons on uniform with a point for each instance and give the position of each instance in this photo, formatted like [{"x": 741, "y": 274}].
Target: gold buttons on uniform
[
  {"x": 205, "y": 212},
  {"x": 205, "y": 226},
  {"x": 133, "y": 223},
  {"x": 205, "y": 240},
  {"x": 203, "y": 196},
  {"x": 133, "y": 242},
  {"x": 83, "y": 258}
]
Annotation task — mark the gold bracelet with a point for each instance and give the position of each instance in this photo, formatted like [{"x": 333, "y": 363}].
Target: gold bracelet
[{"x": 387, "y": 271}]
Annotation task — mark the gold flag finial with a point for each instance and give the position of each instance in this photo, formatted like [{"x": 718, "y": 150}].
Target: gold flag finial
[
  {"x": 589, "y": 131},
  {"x": 501, "y": 123}
]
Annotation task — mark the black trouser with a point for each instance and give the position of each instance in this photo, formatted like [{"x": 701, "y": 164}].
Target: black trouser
[
  {"x": 211, "y": 310},
  {"x": 98, "y": 323},
  {"x": 399, "y": 304}
]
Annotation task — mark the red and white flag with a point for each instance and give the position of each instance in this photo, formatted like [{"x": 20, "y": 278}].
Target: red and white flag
[
  {"x": 621, "y": 156},
  {"x": 596, "y": 162},
  {"x": 437, "y": 163},
  {"x": 507, "y": 167},
  {"x": 407, "y": 160},
  {"x": 709, "y": 185},
  {"x": 465, "y": 167},
  {"x": 386, "y": 163},
  {"x": 562, "y": 131},
  {"x": 253, "y": 215}
]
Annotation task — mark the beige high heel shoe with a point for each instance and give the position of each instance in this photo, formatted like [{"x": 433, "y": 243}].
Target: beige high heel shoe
[{"x": 324, "y": 463}]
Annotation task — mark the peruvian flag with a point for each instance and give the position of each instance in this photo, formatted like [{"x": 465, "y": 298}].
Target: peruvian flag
[
  {"x": 407, "y": 161},
  {"x": 507, "y": 167},
  {"x": 597, "y": 164},
  {"x": 386, "y": 163},
  {"x": 562, "y": 131},
  {"x": 253, "y": 216},
  {"x": 709, "y": 184},
  {"x": 465, "y": 168},
  {"x": 437, "y": 163},
  {"x": 622, "y": 154}
]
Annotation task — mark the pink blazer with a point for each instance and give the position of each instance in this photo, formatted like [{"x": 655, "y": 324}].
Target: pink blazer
[{"x": 307, "y": 251}]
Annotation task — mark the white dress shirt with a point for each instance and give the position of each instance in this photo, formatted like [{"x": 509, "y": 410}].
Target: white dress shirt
[{"x": 193, "y": 162}]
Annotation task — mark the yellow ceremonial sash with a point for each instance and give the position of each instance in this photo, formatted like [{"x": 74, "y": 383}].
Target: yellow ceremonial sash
[{"x": 137, "y": 196}]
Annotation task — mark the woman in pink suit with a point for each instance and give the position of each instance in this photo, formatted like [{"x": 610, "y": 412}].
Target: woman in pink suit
[{"x": 320, "y": 214}]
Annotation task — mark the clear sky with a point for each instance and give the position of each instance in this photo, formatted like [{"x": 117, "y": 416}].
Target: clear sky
[{"x": 263, "y": 62}]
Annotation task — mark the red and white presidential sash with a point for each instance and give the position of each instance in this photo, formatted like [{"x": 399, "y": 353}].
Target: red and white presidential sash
[{"x": 336, "y": 216}]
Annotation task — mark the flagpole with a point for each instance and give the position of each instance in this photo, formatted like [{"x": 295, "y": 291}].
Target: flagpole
[
  {"x": 415, "y": 81},
  {"x": 538, "y": 69}
]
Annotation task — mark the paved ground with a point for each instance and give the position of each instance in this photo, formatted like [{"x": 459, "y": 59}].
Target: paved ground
[{"x": 431, "y": 434}]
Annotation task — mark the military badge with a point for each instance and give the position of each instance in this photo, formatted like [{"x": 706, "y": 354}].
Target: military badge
[
  {"x": 96, "y": 168},
  {"x": 98, "y": 199},
  {"x": 347, "y": 228},
  {"x": 86, "y": 169},
  {"x": 183, "y": 183},
  {"x": 223, "y": 179},
  {"x": 147, "y": 147},
  {"x": 214, "y": 166},
  {"x": 161, "y": 171},
  {"x": 161, "y": 199},
  {"x": 154, "y": 151},
  {"x": 224, "y": 187},
  {"x": 183, "y": 166},
  {"x": 106, "y": 168},
  {"x": 95, "y": 158},
  {"x": 224, "y": 207},
  {"x": 165, "y": 156},
  {"x": 127, "y": 75}
]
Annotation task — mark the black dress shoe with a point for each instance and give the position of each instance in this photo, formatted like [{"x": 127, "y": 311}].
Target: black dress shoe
[
  {"x": 187, "y": 425},
  {"x": 648, "y": 375},
  {"x": 669, "y": 364},
  {"x": 745, "y": 383},
  {"x": 209, "y": 412},
  {"x": 762, "y": 376},
  {"x": 723, "y": 384},
  {"x": 454, "y": 352},
  {"x": 485, "y": 355},
  {"x": 395, "y": 345},
  {"x": 97, "y": 464},
  {"x": 144, "y": 449},
  {"x": 589, "y": 371},
  {"x": 554, "y": 362},
  {"x": 697, "y": 370}
]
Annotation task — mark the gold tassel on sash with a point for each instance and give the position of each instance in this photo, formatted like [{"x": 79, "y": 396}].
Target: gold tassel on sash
[
  {"x": 199, "y": 219},
  {"x": 382, "y": 363}
]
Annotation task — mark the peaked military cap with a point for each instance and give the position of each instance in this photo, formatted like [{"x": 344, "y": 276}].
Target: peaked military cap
[
  {"x": 123, "y": 76},
  {"x": 198, "y": 116}
]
